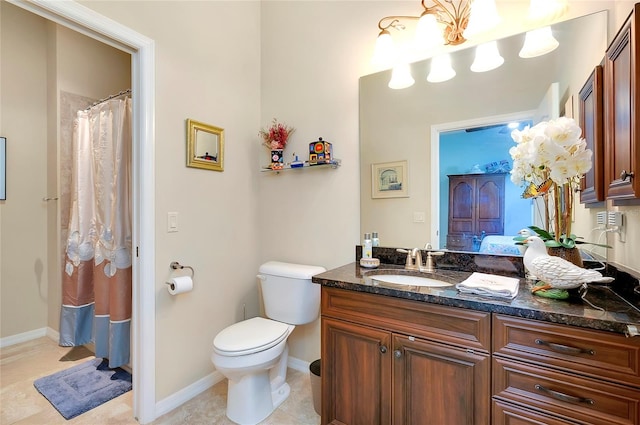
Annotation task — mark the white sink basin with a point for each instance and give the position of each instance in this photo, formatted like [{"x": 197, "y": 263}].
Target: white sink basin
[{"x": 402, "y": 279}]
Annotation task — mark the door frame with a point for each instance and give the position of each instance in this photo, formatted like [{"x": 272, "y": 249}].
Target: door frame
[{"x": 142, "y": 49}]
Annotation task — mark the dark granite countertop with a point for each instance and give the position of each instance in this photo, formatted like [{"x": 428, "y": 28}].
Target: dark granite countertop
[{"x": 616, "y": 316}]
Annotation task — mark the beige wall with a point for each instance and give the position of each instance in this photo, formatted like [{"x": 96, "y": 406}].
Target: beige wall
[
  {"x": 23, "y": 81},
  {"x": 238, "y": 65},
  {"x": 201, "y": 75}
]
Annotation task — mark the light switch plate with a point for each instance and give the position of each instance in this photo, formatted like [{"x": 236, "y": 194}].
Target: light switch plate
[{"x": 172, "y": 222}]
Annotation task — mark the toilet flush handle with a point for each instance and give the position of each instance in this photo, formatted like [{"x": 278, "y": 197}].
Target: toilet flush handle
[{"x": 261, "y": 277}]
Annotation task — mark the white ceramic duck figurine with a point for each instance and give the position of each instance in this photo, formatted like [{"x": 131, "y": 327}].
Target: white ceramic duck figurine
[{"x": 556, "y": 272}]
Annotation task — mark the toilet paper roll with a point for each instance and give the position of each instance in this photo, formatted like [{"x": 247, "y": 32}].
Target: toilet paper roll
[{"x": 180, "y": 284}]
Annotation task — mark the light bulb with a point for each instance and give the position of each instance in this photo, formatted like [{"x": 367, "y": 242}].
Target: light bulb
[{"x": 441, "y": 69}]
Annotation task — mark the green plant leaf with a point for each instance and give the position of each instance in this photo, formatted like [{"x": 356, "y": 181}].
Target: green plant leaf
[
  {"x": 544, "y": 235},
  {"x": 552, "y": 243}
]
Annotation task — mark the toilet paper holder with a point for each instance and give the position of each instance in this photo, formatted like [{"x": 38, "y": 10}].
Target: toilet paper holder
[{"x": 177, "y": 266}]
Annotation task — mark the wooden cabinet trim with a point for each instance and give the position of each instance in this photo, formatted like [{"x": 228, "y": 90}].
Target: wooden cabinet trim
[
  {"x": 592, "y": 124},
  {"x": 615, "y": 358},
  {"x": 460, "y": 327},
  {"x": 508, "y": 414},
  {"x": 532, "y": 387}
]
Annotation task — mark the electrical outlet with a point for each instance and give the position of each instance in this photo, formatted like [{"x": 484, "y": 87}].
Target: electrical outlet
[
  {"x": 418, "y": 217},
  {"x": 601, "y": 218},
  {"x": 614, "y": 219}
]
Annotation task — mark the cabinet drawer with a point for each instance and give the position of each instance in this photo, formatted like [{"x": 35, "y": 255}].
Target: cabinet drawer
[
  {"x": 508, "y": 414},
  {"x": 564, "y": 395},
  {"x": 465, "y": 328},
  {"x": 598, "y": 354}
]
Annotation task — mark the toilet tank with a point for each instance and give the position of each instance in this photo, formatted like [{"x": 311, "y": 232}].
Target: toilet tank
[{"x": 287, "y": 291}]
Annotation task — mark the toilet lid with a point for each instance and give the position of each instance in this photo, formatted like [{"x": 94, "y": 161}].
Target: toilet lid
[{"x": 250, "y": 336}]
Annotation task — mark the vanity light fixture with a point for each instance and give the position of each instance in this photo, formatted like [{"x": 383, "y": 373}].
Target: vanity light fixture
[
  {"x": 487, "y": 57},
  {"x": 451, "y": 22},
  {"x": 443, "y": 23},
  {"x": 441, "y": 69},
  {"x": 538, "y": 42},
  {"x": 401, "y": 77}
]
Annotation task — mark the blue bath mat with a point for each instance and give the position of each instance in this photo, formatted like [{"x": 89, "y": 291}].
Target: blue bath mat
[{"x": 85, "y": 386}]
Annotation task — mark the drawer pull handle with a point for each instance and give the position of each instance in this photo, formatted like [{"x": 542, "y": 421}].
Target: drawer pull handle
[
  {"x": 383, "y": 349},
  {"x": 565, "y": 348},
  {"x": 397, "y": 353},
  {"x": 564, "y": 397}
]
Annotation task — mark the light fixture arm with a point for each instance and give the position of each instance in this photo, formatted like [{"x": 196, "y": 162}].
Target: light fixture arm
[
  {"x": 454, "y": 18},
  {"x": 456, "y": 21},
  {"x": 395, "y": 21}
]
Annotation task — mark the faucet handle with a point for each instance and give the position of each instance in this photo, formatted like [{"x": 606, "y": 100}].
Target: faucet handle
[{"x": 414, "y": 258}]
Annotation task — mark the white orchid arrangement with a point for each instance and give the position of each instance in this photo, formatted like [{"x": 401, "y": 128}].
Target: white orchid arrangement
[{"x": 550, "y": 158}]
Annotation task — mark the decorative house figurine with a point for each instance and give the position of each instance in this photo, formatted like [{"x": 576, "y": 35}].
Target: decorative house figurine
[{"x": 320, "y": 152}]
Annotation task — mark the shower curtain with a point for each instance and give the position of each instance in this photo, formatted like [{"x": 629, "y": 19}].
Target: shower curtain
[{"x": 96, "y": 283}]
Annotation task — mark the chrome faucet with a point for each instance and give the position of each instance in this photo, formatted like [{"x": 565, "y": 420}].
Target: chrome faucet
[{"x": 414, "y": 258}]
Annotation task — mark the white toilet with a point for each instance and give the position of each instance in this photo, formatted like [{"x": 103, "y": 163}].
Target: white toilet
[{"x": 252, "y": 354}]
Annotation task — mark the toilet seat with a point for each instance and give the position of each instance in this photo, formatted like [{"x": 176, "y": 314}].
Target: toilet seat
[{"x": 250, "y": 336}]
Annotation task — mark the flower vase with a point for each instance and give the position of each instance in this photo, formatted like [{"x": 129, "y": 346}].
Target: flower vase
[
  {"x": 277, "y": 159},
  {"x": 570, "y": 254}
]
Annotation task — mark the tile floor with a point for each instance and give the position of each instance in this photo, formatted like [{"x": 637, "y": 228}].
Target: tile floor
[{"x": 21, "y": 404}]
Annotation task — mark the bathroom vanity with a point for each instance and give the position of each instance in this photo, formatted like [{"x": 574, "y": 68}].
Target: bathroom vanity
[{"x": 403, "y": 354}]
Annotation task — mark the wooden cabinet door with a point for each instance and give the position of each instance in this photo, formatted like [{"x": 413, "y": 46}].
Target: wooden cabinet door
[
  {"x": 622, "y": 90},
  {"x": 462, "y": 205},
  {"x": 436, "y": 384},
  {"x": 356, "y": 374},
  {"x": 592, "y": 125},
  {"x": 490, "y": 205}
]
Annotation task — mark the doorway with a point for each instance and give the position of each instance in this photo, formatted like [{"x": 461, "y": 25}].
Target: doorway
[
  {"x": 84, "y": 20},
  {"x": 439, "y": 185}
]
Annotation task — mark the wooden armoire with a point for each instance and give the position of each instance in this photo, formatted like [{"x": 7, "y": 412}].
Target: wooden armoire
[{"x": 476, "y": 209}]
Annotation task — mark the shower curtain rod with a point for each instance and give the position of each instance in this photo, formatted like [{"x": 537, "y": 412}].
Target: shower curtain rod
[{"x": 113, "y": 96}]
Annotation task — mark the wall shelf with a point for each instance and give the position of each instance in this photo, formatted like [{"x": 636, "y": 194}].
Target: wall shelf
[{"x": 287, "y": 167}]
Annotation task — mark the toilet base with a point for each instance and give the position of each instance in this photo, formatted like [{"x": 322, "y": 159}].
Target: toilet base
[{"x": 246, "y": 401}]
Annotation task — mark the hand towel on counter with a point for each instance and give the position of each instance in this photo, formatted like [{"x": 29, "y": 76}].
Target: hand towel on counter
[{"x": 490, "y": 285}]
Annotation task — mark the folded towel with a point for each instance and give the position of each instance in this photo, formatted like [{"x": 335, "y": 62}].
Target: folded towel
[{"x": 490, "y": 285}]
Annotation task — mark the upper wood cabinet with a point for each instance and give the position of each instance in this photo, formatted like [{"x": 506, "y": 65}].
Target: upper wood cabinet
[
  {"x": 592, "y": 125},
  {"x": 622, "y": 92}
]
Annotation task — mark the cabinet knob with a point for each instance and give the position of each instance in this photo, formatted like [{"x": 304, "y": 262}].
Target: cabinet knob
[
  {"x": 624, "y": 174},
  {"x": 383, "y": 349},
  {"x": 397, "y": 354}
]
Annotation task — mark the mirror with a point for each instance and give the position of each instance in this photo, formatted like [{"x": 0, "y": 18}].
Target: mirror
[
  {"x": 205, "y": 146},
  {"x": 398, "y": 125}
]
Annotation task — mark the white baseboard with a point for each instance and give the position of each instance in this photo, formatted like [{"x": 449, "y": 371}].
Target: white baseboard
[
  {"x": 297, "y": 364},
  {"x": 24, "y": 337},
  {"x": 180, "y": 397}
]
